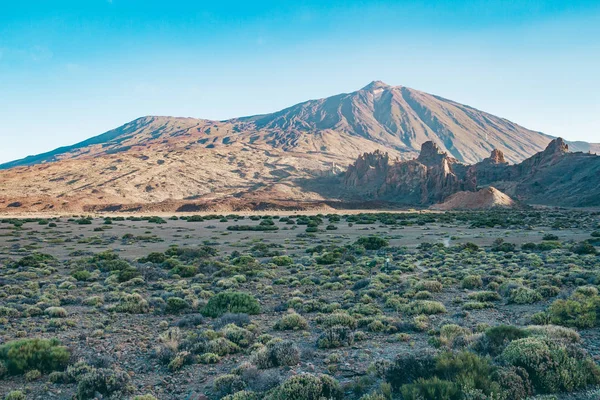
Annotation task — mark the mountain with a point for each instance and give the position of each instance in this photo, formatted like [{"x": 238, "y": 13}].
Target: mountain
[
  {"x": 264, "y": 160},
  {"x": 555, "y": 177}
]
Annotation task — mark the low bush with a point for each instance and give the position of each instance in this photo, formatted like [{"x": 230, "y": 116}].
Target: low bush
[
  {"x": 228, "y": 384},
  {"x": 372, "y": 242},
  {"x": 307, "y": 387},
  {"x": 107, "y": 382},
  {"x": 409, "y": 367},
  {"x": 426, "y": 307},
  {"x": 24, "y": 355},
  {"x": 524, "y": 295},
  {"x": 133, "y": 304},
  {"x": 495, "y": 339},
  {"x": 551, "y": 365},
  {"x": 431, "y": 389},
  {"x": 176, "y": 305},
  {"x": 15, "y": 395},
  {"x": 291, "y": 322},
  {"x": 277, "y": 353},
  {"x": 339, "y": 319},
  {"x": 282, "y": 261},
  {"x": 336, "y": 336},
  {"x": 580, "y": 311},
  {"x": 56, "y": 312},
  {"x": 231, "y": 302},
  {"x": 471, "y": 282}
]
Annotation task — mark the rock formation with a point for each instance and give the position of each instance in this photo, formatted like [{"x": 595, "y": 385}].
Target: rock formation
[
  {"x": 553, "y": 177},
  {"x": 425, "y": 180}
]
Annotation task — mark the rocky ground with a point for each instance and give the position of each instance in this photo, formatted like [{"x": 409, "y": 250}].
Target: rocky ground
[{"x": 405, "y": 283}]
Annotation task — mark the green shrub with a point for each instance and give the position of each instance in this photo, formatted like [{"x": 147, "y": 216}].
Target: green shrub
[
  {"x": 179, "y": 361},
  {"x": 56, "y": 312},
  {"x": 277, "y": 353},
  {"x": 579, "y": 311},
  {"x": 176, "y": 305},
  {"x": 548, "y": 291},
  {"x": 231, "y": 302},
  {"x": 495, "y": 339},
  {"x": 107, "y": 382},
  {"x": 426, "y": 307},
  {"x": 550, "y": 236},
  {"x": 282, "y": 261},
  {"x": 477, "y": 305},
  {"x": 242, "y": 395},
  {"x": 449, "y": 332},
  {"x": 583, "y": 248},
  {"x": 155, "y": 258},
  {"x": 209, "y": 358},
  {"x": 514, "y": 382},
  {"x": 133, "y": 304},
  {"x": 447, "y": 375},
  {"x": 240, "y": 336},
  {"x": 307, "y": 387},
  {"x": 431, "y": 389},
  {"x": 336, "y": 336},
  {"x": 430, "y": 286},
  {"x": 468, "y": 369},
  {"x": 32, "y": 375},
  {"x": 484, "y": 296},
  {"x": 222, "y": 347},
  {"x": 372, "y": 242},
  {"x": 524, "y": 295},
  {"x": 552, "y": 366},
  {"x": 81, "y": 275},
  {"x": 228, "y": 384},
  {"x": 471, "y": 282},
  {"x": 27, "y": 354},
  {"x": 291, "y": 322},
  {"x": 554, "y": 332},
  {"x": 36, "y": 260},
  {"x": 15, "y": 395},
  {"x": 339, "y": 318}
]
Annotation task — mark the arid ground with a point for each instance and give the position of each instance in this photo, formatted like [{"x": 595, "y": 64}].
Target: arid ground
[{"x": 352, "y": 305}]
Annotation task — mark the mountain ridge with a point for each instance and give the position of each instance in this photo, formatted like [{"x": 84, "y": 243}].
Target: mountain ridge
[
  {"x": 276, "y": 157},
  {"x": 397, "y": 117}
]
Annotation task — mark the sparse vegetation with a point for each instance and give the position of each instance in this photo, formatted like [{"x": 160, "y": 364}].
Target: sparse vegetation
[{"x": 386, "y": 306}]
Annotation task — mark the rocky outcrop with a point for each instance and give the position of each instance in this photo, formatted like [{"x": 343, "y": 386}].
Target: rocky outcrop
[
  {"x": 369, "y": 170},
  {"x": 428, "y": 179},
  {"x": 553, "y": 177},
  {"x": 497, "y": 157},
  {"x": 431, "y": 155}
]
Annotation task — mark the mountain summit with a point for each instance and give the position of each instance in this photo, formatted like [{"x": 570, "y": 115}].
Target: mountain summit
[{"x": 160, "y": 159}]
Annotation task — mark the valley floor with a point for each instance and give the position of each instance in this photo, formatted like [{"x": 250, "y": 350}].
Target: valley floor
[{"x": 204, "y": 306}]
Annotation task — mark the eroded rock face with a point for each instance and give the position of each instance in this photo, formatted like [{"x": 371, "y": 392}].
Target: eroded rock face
[
  {"x": 367, "y": 170},
  {"x": 494, "y": 170},
  {"x": 428, "y": 179},
  {"x": 431, "y": 155},
  {"x": 553, "y": 176},
  {"x": 497, "y": 157}
]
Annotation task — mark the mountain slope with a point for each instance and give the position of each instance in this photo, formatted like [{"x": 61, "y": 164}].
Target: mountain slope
[
  {"x": 554, "y": 177},
  {"x": 378, "y": 115},
  {"x": 264, "y": 157}
]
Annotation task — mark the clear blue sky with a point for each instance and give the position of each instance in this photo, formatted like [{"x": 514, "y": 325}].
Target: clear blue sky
[{"x": 73, "y": 69}]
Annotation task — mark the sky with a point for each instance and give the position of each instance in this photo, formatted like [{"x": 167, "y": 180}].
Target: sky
[{"x": 74, "y": 69}]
